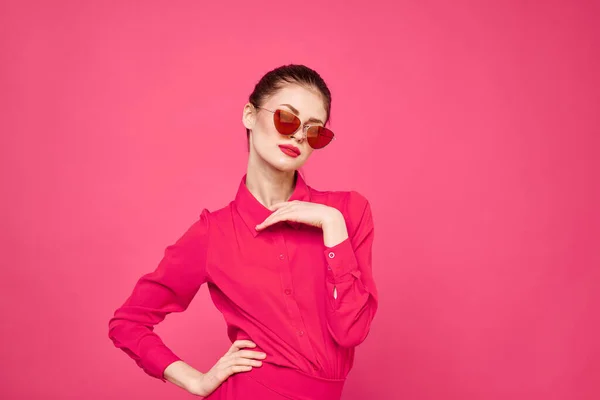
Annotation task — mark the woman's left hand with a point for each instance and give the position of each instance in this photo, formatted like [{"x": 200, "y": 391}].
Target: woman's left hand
[{"x": 314, "y": 214}]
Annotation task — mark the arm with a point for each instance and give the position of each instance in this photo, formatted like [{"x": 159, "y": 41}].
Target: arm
[
  {"x": 351, "y": 289},
  {"x": 170, "y": 288},
  {"x": 185, "y": 376}
]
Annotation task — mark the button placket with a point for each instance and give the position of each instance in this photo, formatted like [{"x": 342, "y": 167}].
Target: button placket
[{"x": 290, "y": 300}]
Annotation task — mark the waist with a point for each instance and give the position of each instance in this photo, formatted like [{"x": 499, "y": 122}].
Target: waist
[{"x": 296, "y": 384}]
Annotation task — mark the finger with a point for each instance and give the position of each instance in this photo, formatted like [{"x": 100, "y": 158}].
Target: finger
[
  {"x": 229, "y": 359},
  {"x": 235, "y": 369},
  {"x": 287, "y": 210},
  {"x": 251, "y": 354},
  {"x": 284, "y": 207},
  {"x": 279, "y": 211},
  {"x": 223, "y": 373},
  {"x": 277, "y": 206},
  {"x": 239, "y": 361},
  {"x": 247, "y": 361},
  {"x": 269, "y": 220},
  {"x": 285, "y": 213},
  {"x": 272, "y": 220},
  {"x": 277, "y": 216},
  {"x": 240, "y": 344}
]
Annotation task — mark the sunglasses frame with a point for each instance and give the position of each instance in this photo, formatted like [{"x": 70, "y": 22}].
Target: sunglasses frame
[{"x": 304, "y": 127}]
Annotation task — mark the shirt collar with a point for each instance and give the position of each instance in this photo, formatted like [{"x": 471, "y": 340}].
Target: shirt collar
[{"x": 253, "y": 212}]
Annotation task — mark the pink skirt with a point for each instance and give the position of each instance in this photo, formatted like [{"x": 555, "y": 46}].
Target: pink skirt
[{"x": 270, "y": 382}]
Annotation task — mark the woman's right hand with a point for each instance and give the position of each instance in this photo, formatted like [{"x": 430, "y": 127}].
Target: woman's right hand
[{"x": 234, "y": 361}]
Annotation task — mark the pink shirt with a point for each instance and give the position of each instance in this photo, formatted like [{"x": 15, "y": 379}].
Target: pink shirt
[{"x": 274, "y": 287}]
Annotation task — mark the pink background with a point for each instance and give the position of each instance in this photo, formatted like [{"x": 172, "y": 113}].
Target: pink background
[{"x": 471, "y": 126}]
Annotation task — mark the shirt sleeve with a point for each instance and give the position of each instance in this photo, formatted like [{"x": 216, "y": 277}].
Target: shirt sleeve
[
  {"x": 351, "y": 290},
  {"x": 169, "y": 288}
]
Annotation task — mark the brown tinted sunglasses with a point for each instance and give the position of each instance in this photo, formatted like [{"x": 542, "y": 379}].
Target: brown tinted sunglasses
[{"x": 287, "y": 124}]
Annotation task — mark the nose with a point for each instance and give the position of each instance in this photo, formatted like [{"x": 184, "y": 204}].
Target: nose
[{"x": 300, "y": 134}]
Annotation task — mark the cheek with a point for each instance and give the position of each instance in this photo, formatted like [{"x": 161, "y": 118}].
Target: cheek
[
  {"x": 266, "y": 132},
  {"x": 264, "y": 143}
]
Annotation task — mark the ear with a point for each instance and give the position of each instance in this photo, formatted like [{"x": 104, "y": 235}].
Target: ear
[{"x": 249, "y": 116}]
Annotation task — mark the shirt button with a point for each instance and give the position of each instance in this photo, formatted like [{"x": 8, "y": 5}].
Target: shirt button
[
  {"x": 300, "y": 333},
  {"x": 281, "y": 256},
  {"x": 288, "y": 291},
  {"x": 331, "y": 254}
]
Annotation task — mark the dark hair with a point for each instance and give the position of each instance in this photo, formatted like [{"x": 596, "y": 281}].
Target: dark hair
[{"x": 274, "y": 80}]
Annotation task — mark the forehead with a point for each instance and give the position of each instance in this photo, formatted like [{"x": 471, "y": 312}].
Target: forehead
[{"x": 309, "y": 102}]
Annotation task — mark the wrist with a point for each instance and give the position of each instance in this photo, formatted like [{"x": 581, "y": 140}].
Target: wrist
[
  {"x": 194, "y": 383},
  {"x": 334, "y": 229},
  {"x": 334, "y": 218}
]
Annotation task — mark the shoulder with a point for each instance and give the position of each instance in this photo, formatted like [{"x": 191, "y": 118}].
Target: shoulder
[
  {"x": 218, "y": 222},
  {"x": 221, "y": 216},
  {"x": 197, "y": 231},
  {"x": 349, "y": 200}
]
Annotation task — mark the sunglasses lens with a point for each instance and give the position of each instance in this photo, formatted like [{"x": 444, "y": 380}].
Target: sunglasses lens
[
  {"x": 319, "y": 137},
  {"x": 286, "y": 123}
]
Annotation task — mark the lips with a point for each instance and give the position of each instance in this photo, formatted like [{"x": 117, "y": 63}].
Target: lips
[{"x": 292, "y": 151}]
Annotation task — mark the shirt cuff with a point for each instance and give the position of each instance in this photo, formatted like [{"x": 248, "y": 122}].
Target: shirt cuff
[
  {"x": 157, "y": 360},
  {"x": 341, "y": 259}
]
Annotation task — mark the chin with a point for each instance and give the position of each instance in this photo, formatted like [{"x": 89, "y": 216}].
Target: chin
[
  {"x": 286, "y": 167},
  {"x": 285, "y": 163}
]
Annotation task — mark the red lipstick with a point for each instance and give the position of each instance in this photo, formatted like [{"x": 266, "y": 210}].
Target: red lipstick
[{"x": 290, "y": 150}]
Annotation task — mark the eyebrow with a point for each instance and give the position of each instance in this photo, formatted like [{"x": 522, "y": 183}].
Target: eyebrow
[{"x": 295, "y": 111}]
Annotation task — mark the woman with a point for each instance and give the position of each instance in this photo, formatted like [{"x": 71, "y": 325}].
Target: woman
[{"x": 287, "y": 265}]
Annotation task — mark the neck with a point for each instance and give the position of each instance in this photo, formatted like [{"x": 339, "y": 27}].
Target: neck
[{"x": 269, "y": 186}]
